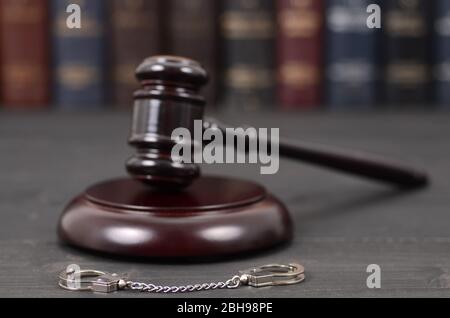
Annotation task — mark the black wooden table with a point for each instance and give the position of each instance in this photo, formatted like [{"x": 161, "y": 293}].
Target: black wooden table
[{"x": 342, "y": 224}]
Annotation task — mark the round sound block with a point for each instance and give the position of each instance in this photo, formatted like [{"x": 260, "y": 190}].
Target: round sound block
[{"x": 213, "y": 217}]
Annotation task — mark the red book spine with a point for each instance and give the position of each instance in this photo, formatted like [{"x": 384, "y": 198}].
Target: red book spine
[
  {"x": 299, "y": 53},
  {"x": 24, "y": 51}
]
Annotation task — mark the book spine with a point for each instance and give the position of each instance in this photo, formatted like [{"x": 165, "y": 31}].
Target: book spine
[
  {"x": 248, "y": 30},
  {"x": 351, "y": 61},
  {"x": 192, "y": 32},
  {"x": 442, "y": 53},
  {"x": 24, "y": 53},
  {"x": 299, "y": 53},
  {"x": 79, "y": 55},
  {"x": 407, "y": 74},
  {"x": 136, "y": 34}
]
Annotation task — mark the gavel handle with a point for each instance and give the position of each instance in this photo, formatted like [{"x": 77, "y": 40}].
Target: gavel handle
[
  {"x": 356, "y": 163},
  {"x": 349, "y": 161}
]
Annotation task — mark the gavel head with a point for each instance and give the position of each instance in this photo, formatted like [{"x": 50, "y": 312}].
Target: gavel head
[{"x": 169, "y": 98}]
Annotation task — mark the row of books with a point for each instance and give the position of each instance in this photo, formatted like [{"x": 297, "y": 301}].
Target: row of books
[{"x": 291, "y": 53}]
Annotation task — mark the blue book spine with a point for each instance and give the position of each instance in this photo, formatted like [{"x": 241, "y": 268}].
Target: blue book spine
[
  {"x": 442, "y": 53},
  {"x": 351, "y": 55},
  {"x": 79, "y": 55}
]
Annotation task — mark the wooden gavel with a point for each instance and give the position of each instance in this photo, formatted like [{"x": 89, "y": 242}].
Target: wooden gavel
[
  {"x": 170, "y": 98},
  {"x": 208, "y": 216}
]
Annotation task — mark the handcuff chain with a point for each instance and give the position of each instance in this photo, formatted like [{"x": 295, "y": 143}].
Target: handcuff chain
[{"x": 232, "y": 283}]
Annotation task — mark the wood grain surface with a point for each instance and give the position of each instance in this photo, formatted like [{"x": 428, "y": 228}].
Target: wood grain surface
[{"x": 342, "y": 224}]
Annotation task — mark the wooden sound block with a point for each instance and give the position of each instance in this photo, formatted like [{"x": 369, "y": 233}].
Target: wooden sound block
[{"x": 213, "y": 217}]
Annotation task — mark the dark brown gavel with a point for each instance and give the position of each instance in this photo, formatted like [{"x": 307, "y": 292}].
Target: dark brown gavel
[{"x": 170, "y": 98}]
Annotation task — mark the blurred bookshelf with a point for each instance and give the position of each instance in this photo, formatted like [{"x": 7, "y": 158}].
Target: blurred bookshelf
[{"x": 262, "y": 55}]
